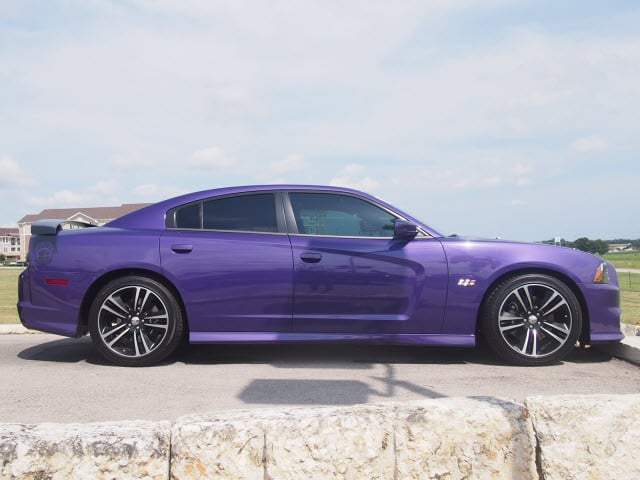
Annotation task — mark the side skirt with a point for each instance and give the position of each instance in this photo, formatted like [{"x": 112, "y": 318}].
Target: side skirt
[{"x": 274, "y": 337}]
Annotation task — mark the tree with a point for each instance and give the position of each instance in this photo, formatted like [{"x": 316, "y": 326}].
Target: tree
[
  {"x": 2, "y": 257},
  {"x": 584, "y": 244},
  {"x": 600, "y": 247},
  {"x": 592, "y": 246}
]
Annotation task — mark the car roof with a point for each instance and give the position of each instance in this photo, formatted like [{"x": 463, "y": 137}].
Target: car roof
[{"x": 153, "y": 216}]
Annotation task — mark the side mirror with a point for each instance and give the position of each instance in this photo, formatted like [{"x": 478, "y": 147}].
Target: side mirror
[{"x": 404, "y": 230}]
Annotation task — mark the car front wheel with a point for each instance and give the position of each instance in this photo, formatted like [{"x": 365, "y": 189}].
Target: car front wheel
[
  {"x": 135, "y": 321},
  {"x": 532, "y": 319}
]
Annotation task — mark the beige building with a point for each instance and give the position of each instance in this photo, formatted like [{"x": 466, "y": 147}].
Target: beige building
[
  {"x": 94, "y": 216},
  {"x": 10, "y": 243}
]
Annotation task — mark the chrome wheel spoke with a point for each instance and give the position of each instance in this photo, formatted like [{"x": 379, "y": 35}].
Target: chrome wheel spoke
[
  {"x": 553, "y": 335},
  {"x": 506, "y": 328},
  {"x": 156, "y": 325},
  {"x": 113, "y": 330},
  {"x": 554, "y": 308},
  {"x": 526, "y": 341},
  {"x": 144, "y": 339},
  {"x": 522, "y": 304},
  {"x": 112, "y": 342}
]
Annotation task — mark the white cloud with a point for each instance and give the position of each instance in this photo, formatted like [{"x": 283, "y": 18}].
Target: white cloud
[
  {"x": 493, "y": 181},
  {"x": 103, "y": 188},
  {"x": 12, "y": 175},
  {"x": 102, "y": 193},
  {"x": 151, "y": 192},
  {"x": 128, "y": 161},
  {"x": 292, "y": 163},
  {"x": 211, "y": 158},
  {"x": 590, "y": 144},
  {"x": 353, "y": 176}
]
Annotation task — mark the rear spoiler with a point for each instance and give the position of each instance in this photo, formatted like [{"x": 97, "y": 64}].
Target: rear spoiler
[{"x": 52, "y": 227}]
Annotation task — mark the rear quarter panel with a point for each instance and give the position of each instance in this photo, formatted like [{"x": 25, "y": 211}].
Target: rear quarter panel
[{"x": 79, "y": 257}]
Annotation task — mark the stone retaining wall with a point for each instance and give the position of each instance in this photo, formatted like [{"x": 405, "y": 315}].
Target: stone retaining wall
[{"x": 559, "y": 437}]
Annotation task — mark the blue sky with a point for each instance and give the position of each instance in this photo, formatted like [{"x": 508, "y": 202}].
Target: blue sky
[{"x": 494, "y": 118}]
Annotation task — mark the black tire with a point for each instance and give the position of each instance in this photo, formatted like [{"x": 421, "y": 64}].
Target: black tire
[
  {"x": 135, "y": 321},
  {"x": 531, "y": 319}
]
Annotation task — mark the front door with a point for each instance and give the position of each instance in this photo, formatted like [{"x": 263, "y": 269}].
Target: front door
[{"x": 352, "y": 276}]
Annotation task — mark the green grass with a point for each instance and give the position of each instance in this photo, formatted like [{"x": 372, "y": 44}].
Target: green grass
[
  {"x": 9, "y": 295},
  {"x": 629, "y": 295},
  {"x": 624, "y": 259}
]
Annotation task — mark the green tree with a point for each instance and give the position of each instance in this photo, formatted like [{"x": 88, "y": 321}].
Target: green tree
[
  {"x": 584, "y": 244},
  {"x": 600, "y": 247}
]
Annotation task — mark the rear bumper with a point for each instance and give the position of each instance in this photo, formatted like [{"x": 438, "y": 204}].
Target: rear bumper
[
  {"x": 48, "y": 319},
  {"x": 61, "y": 321}
]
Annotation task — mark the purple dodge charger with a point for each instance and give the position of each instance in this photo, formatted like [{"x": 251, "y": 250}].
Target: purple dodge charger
[{"x": 296, "y": 263}]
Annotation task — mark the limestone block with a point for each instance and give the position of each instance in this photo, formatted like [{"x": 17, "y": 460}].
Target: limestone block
[
  {"x": 588, "y": 436},
  {"x": 332, "y": 443},
  {"x": 456, "y": 438},
  {"x": 227, "y": 446},
  {"x": 122, "y": 450}
]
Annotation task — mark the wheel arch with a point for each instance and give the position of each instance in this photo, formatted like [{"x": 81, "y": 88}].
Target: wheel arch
[
  {"x": 92, "y": 291},
  {"x": 585, "y": 337}
]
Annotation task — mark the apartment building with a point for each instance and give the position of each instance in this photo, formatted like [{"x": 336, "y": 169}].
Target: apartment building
[{"x": 10, "y": 243}]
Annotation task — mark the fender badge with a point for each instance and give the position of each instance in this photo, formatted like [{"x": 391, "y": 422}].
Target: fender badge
[{"x": 466, "y": 282}]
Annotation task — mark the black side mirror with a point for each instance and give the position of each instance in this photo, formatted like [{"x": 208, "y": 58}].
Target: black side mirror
[{"x": 404, "y": 230}]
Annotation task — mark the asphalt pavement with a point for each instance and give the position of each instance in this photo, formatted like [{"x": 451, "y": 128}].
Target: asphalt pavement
[{"x": 47, "y": 378}]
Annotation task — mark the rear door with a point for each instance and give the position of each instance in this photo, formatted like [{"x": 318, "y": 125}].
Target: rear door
[{"x": 230, "y": 257}]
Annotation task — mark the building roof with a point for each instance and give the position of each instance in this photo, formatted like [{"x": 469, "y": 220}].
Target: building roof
[
  {"x": 9, "y": 232},
  {"x": 96, "y": 213}
]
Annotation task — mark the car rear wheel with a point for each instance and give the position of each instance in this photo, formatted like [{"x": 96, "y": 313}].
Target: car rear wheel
[
  {"x": 532, "y": 319},
  {"x": 135, "y": 321}
]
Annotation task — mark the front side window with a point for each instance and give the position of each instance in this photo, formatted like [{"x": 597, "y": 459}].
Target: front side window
[{"x": 340, "y": 215}]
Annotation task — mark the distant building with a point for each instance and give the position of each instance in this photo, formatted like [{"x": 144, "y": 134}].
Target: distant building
[
  {"x": 94, "y": 215},
  {"x": 10, "y": 243},
  {"x": 619, "y": 247}
]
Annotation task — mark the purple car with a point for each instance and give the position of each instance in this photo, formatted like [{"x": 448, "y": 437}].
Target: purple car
[{"x": 295, "y": 263}]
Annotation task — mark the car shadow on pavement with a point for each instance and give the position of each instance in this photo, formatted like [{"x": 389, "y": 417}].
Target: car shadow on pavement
[
  {"x": 74, "y": 350},
  {"x": 64, "y": 350}
]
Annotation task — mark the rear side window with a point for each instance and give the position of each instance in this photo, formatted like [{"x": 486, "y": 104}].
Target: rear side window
[
  {"x": 246, "y": 213},
  {"x": 189, "y": 216},
  {"x": 241, "y": 213}
]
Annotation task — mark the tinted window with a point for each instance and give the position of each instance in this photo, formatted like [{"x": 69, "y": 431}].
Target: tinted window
[
  {"x": 250, "y": 213},
  {"x": 340, "y": 215},
  {"x": 188, "y": 216}
]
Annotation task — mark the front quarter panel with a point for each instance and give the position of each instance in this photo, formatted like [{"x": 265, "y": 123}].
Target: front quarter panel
[{"x": 475, "y": 266}]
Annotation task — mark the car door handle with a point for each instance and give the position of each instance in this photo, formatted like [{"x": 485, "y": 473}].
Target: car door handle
[
  {"x": 182, "y": 248},
  {"x": 310, "y": 257}
]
